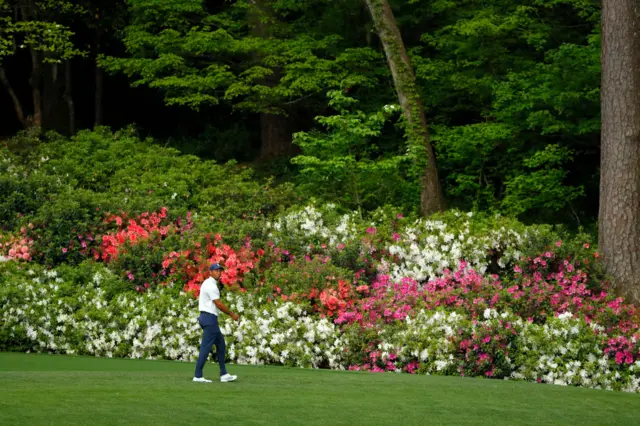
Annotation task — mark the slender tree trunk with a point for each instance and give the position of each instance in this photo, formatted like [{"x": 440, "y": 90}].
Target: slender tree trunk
[
  {"x": 99, "y": 77},
  {"x": 17, "y": 105},
  {"x": 35, "y": 80},
  {"x": 36, "y": 93},
  {"x": 431, "y": 198},
  {"x": 619, "y": 216},
  {"x": 99, "y": 90},
  {"x": 68, "y": 96}
]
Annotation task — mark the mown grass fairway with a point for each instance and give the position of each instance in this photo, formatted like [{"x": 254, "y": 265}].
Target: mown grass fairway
[{"x": 49, "y": 389}]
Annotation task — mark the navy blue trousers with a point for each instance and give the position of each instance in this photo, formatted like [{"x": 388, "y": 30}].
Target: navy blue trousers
[{"x": 211, "y": 335}]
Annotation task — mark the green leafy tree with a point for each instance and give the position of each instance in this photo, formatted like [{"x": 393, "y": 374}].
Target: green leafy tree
[
  {"x": 259, "y": 57},
  {"x": 350, "y": 164},
  {"x": 41, "y": 28},
  {"x": 501, "y": 81}
]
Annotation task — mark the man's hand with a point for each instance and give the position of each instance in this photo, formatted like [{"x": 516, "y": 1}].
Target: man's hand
[{"x": 226, "y": 310}]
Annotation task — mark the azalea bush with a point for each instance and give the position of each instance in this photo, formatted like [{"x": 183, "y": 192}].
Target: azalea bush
[
  {"x": 66, "y": 188},
  {"x": 110, "y": 259},
  {"x": 16, "y": 247},
  {"x": 77, "y": 317}
]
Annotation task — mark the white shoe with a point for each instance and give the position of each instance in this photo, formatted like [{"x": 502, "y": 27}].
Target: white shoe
[
  {"x": 201, "y": 380},
  {"x": 228, "y": 378}
]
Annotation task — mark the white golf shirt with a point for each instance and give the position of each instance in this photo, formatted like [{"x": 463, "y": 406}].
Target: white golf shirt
[{"x": 208, "y": 293}]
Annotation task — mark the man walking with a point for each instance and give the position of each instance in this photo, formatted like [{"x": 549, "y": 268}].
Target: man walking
[{"x": 210, "y": 307}]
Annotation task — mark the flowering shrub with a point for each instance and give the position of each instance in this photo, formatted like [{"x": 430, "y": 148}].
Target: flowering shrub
[
  {"x": 305, "y": 278},
  {"x": 132, "y": 231},
  {"x": 308, "y": 226},
  {"x": 143, "y": 250},
  {"x": 455, "y": 294},
  {"x": 281, "y": 333},
  {"x": 564, "y": 351},
  {"x": 421, "y": 249},
  {"x": 438, "y": 328},
  {"x": 191, "y": 265},
  {"x": 16, "y": 247},
  {"x": 154, "y": 325}
]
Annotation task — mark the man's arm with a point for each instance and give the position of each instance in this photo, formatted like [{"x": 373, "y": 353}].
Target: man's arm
[{"x": 226, "y": 310}]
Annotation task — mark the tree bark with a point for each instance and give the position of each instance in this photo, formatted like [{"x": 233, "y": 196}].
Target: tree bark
[
  {"x": 54, "y": 111},
  {"x": 99, "y": 76},
  {"x": 99, "y": 90},
  {"x": 36, "y": 93},
  {"x": 431, "y": 197},
  {"x": 275, "y": 129},
  {"x": 17, "y": 105},
  {"x": 68, "y": 97},
  {"x": 619, "y": 215},
  {"x": 35, "y": 81}
]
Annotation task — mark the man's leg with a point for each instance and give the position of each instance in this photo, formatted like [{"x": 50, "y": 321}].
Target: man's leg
[
  {"x": 221, "y": 349},
  {"x": 208, "y": 339}
]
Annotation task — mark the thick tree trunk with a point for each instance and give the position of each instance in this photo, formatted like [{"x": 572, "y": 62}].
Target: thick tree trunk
[
  {"x": 619, "y": 216},
  {"x": 54, "y": 116},
  {"x": 276, "y": 136},
  {"x": 68, "y": 97},
  {"x": 431, "y": 198},
  {"x": 17, "y": 105},
  {"x": 275, "y": 129}
]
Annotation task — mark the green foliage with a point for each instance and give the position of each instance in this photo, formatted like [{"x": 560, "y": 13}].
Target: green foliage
[
  {"x": 350, "y": 164},
  {"x": 253, "y": 55},
  {"x": 502, "y": 81},
  {"x": 543, "y": 186},
  {"x": 38, "y": 27},
  {"x": 304, "y": 275},
  {"x": 66, "y": 187},
  {"x": 59, "y": 222}
]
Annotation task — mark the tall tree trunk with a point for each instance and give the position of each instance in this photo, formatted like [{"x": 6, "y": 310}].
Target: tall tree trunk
[
  {"x": 36, "y": 92},
  {"x": 275, "y": 129},
  {"x": 619, "y": 215},
  {"x": 35, "y": 80},
  {"x": 275, "y": 132},
  {"x": 68, "y": 97},
  {"x": 99, "y": 77},
  {"x": 99, "y": 90},
  {"x": 54, "y": 113},
  {"x": 431, "y": 198},
  {"x": 17, "y": 105}
]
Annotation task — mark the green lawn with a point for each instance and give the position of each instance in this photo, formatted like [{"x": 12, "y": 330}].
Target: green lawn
[{"x": 49, "y": 389}]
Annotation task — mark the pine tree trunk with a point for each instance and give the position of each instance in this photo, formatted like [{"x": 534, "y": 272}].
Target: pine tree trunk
[
  {"x": 619, "y": 215},
  {"x": 431, "y": 198},
  {"x": 17, "y": 105}
]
